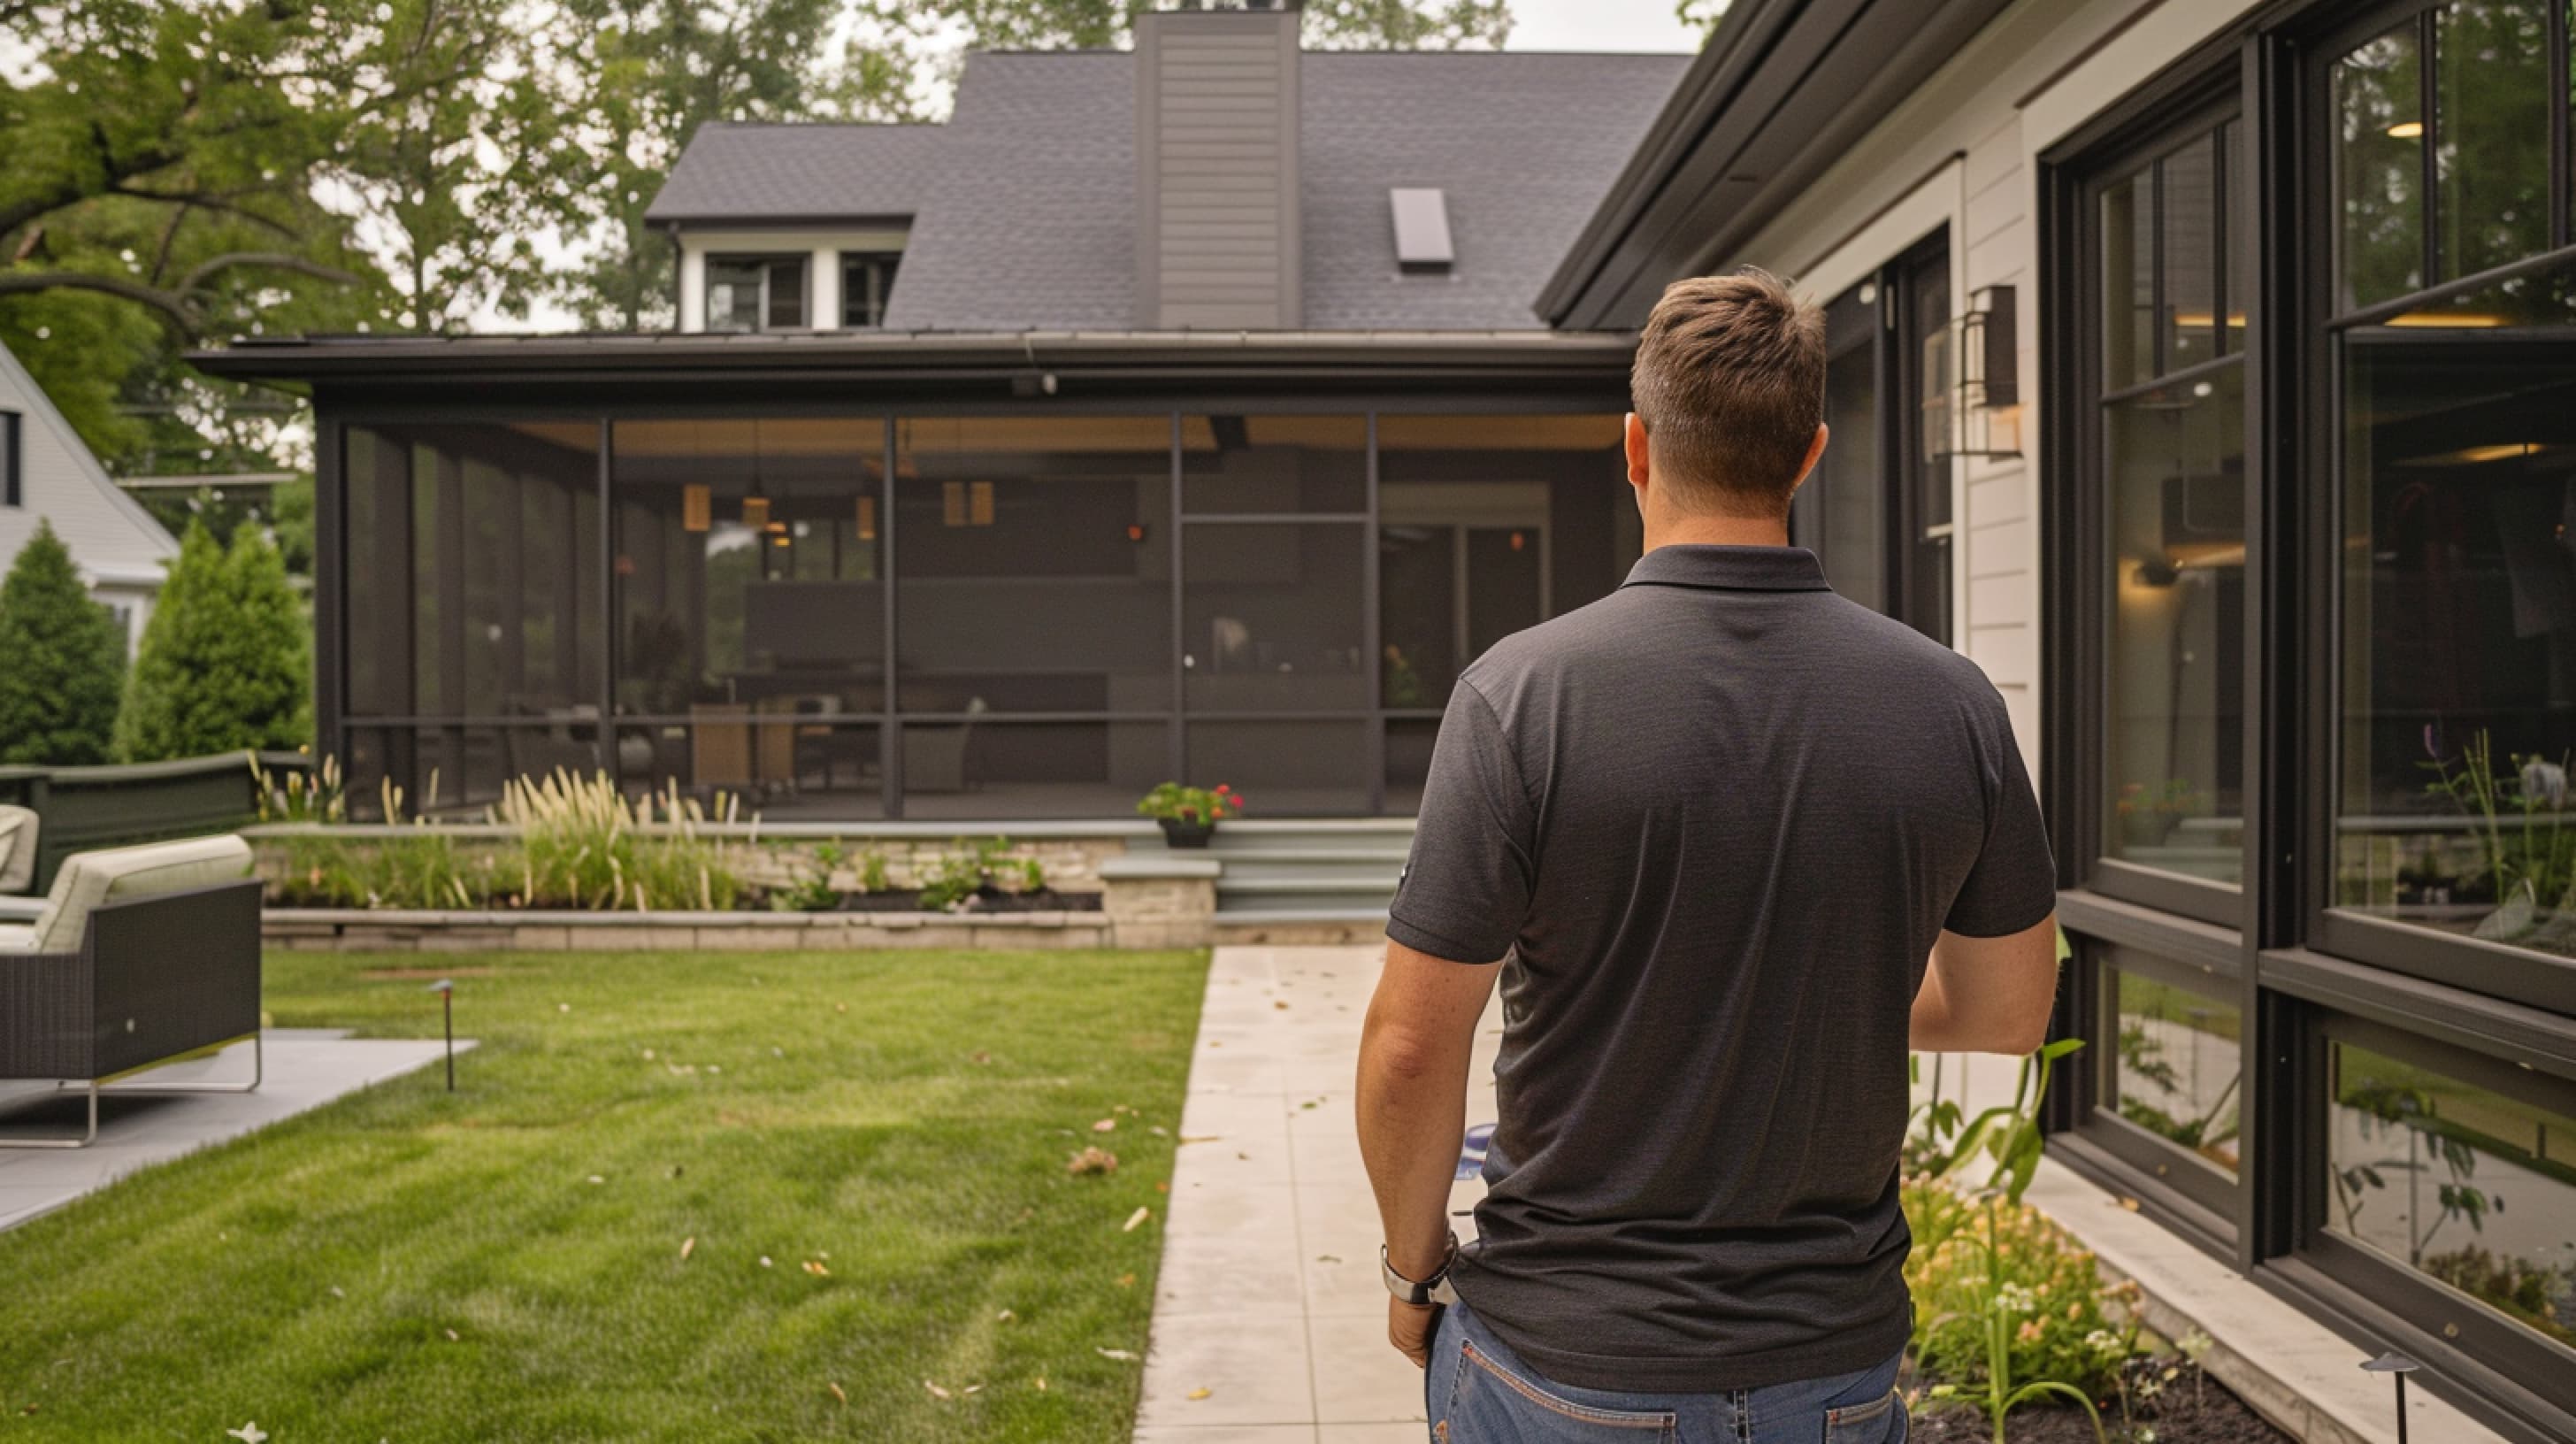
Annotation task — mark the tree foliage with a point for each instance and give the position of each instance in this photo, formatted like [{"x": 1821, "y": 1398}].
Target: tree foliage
[
  {"x": 226, "y": 662},
  {"x": 65, "y": 661},
  {"x": 1332, "y": 24}
]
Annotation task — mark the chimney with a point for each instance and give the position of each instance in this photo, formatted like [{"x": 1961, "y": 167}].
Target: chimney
[{"x": 1217, "y": 243}]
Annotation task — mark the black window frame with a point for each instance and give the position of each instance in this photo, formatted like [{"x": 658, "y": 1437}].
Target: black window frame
[
  {"x": 881, "y": 267},
  {"x": 768, "y": 263},
  {"x": 1916, "y": 593},
  {"x": 13, "y": 460},
  {"x": 2306, "y": 977}
]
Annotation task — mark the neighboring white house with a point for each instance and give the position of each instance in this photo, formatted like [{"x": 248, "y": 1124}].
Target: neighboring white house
[{"x": 47, "y": 474}]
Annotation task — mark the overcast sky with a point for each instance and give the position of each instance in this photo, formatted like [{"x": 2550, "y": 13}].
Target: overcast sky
[{"x": 1598, "y": 25}]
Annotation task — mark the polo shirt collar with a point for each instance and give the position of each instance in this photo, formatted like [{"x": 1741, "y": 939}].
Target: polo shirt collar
[{"x": 1750, "y": 569}]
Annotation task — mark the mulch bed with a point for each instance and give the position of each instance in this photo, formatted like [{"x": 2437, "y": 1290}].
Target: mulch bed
[
  {"x": 2190, "y": 1409},
  {"x": 989, "y": 900}
]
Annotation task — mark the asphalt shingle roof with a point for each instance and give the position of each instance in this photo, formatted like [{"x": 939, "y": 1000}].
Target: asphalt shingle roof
[{"x": 1024, "y": 204}]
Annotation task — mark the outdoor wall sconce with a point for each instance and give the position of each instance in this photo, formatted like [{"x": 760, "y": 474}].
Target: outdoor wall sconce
[
  {"x": 697, "y": 507},
  {"x": 1972, "y": 380},
  {"x": 867, "y": 518},
  {"x": 755, "y": 512}
]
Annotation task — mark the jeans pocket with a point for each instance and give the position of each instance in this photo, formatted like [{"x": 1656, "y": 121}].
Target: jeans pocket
[
  {"x": 1881, "y": 1421},
  {"x": 1489, "y": 1404}
]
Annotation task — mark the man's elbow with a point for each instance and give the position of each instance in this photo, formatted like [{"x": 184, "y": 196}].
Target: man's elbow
[{"x": 1401, "y": 1057}]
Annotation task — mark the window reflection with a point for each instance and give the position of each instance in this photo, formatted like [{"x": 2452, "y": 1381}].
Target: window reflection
[
  {"x": 2177, "y": 1067},
  {"x": 2379, "y": 169},
  {"x": 2491, "y": 123},
  {"x": 1841, "y": 514},
  {"x": 2459, "y": 646},
  {"x": 2472, "y": 1187},
  {"x": 2173, "y": 438}
]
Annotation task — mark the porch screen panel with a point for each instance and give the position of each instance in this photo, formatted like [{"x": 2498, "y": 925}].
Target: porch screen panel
[
  {"x": 750, "y": 590},
  {"x": 464, "y": 552},
  {"x": 1035, "y": 561},
  {"x": 1487, "y": 525}
]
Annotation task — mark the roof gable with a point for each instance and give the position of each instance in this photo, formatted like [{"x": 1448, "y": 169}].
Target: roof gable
[{"x": 109, "y": 533}]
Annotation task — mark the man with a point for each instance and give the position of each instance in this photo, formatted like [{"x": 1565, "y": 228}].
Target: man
[{"x": 1735, "y": 844}]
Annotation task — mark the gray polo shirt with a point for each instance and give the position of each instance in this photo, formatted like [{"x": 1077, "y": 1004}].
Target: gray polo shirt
[{"x": 1716, "y": 821}]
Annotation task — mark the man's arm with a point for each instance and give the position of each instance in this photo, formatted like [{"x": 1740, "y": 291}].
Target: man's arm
[
  {"x": 1414, "y": 1049},
  {"x": 1988, "y": 995}
]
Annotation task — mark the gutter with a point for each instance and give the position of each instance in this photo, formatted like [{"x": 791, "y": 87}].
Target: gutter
[{"x": 664, "y": 355}]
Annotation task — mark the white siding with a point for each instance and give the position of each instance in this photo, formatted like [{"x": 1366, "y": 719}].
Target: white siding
[
  {"x": 1963, "y": 146},
  {"x": 119, "y": 547}
]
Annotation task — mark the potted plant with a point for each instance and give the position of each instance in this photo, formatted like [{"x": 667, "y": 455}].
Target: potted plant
[{"x": 1189, "y": 815}]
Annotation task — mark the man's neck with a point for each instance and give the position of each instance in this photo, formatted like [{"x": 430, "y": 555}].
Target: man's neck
[{"x": 1716, "y": 531}]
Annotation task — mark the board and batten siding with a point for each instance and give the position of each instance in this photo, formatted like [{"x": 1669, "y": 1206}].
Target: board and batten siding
[
  {"x": 1216, "y": 177},
  {"x": 118, "y": 547}
]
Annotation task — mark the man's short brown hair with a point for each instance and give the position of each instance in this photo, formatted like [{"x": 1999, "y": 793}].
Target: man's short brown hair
[{"x": 1730, "y": 382}]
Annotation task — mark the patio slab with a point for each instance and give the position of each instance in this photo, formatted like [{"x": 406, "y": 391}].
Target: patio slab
[{"x": 305, "y": 1069}]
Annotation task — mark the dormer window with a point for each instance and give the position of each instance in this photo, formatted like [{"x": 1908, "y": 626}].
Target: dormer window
[
  {"x": 755, "y": 293},
  {"x": 867, "y": 284}
]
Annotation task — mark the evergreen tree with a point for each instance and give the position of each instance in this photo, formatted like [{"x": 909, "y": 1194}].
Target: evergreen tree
[
  {"x": 62, "y": 661},
  {"x": 226, "y": 662}
]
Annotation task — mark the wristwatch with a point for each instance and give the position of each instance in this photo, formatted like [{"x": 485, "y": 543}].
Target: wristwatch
[{"x": 1423, "y": 1293}]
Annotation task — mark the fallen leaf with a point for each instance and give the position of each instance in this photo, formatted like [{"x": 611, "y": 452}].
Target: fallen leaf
[
  {"x": 1121, "y": 1355},
  {"x": 1092, "y": 1160},
  {"x": 1141, "y": 1214},
  {"x": 837, "y": 1394},
  {"x": 337, "y": 1293},
  {"x": 1158, "y": 1131},
  {"x": 1104, "y": 1125},
  {"x": 1202, "y": 1138},
  {"x": 563, "y": 1007},
  {"x": 451, "y": 1337},
  {"x": 936, "y": 1392},
  {"x": 1216, "y": 1042},
  {"x": 648, "y": 1055},
  {"x": 764, "y": 1261},
  {"x": 1328, "y": 1258},
  {"x": 719, "y": 1067},
  {"x": 1200, "y": 1393},
  {"x": 1163, "y": 1187},
  {"x": 973, "y": 1389},
  {"x": 817, "y": 1270},
  {"x": 2130, "y": 1204},
  {"x": 688, "y": 1246},
  {"x": 1004, "y": 1317},
  {"x": 249, "y": 1433},
  {"x": 1126, "y": 1281},
  {"x": 1041, "y": 1383},
  {"x": 595, "y": 1178},
  {"x": 1281, "y": 1005},
  {"x": 980, "y": 1056}
]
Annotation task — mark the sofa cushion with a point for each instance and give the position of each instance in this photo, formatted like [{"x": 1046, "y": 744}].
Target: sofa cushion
[
  {"x": 17, "y": 849},
  {"x": 16, "y": 938},
  {"x": 91, "y": 880}
]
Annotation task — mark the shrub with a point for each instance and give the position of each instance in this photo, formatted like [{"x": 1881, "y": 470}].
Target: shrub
[
  {"x": 581, "y": 846},
  {"x": 226, "y": 662},
  {"x": 66, "y": 661},
  {"x": 2016, "y": 1272}
]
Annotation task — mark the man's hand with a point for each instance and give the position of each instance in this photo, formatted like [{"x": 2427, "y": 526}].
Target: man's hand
[{"x": 1409, "y": 1327}]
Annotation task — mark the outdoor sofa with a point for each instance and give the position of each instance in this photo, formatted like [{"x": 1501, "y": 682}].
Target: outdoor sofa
[{"x": 141, "y": 956}]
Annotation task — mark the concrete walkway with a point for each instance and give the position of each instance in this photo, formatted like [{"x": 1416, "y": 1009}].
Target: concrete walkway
[
  {"x": 1270, "y": 1321},
  {"x": 1270, "y": 1300},
  {"x": 306, "y": 1068}
]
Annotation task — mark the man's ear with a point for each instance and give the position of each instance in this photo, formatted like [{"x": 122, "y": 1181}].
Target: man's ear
[
  {"x": 1639, "y": 455},
  {"x": 1815, "y": 453}
]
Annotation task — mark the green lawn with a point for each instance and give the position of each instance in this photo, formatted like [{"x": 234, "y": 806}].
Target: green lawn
[{"x": 506, "y": 1263}]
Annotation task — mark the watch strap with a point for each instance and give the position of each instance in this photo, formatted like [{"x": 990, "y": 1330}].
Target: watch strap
[{"x": 1420, "y": 1293}]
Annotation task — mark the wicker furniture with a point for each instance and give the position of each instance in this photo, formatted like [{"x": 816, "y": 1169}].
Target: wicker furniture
[
  {"x": 142, "y": 956},
  {"x": 18, "y": 829}
]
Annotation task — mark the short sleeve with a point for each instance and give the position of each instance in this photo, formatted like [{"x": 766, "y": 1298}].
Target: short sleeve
[
  {"x": 1466, "y": 888},
  {"x": 2012, "y": 886}
]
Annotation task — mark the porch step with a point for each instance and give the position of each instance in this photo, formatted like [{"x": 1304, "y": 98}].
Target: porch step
[{"x": 1322, "y": 870}]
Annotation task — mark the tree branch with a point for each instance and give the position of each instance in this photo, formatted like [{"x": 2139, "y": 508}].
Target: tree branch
[
  {"x": 169, "y": 303},
  {"x": 195, "y": 278}
]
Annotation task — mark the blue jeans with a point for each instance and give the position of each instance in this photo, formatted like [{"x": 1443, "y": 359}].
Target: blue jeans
[{"x": 1478, "y": 1393}]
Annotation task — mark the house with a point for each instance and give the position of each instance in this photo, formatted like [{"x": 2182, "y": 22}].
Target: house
[
  {"x": 2201, "y": 368},
  {"x": 46, "y": 474}
]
